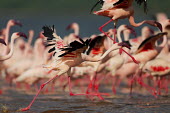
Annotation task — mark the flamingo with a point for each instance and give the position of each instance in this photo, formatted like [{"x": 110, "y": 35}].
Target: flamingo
[
  {"x": 13, "y": 37},
  {"x": 122, "y": 9},
  {"x": 158, "y": 68},
  {"x": 148, "y": 51},
  {"x": 7, "y": 29},
  {"x": 68, "y": 57},
  {"x": 28, "y": 62},
  {"x": 72, "y": 36}
]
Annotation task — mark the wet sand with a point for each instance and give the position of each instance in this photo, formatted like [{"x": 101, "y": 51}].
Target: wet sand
[{"x": 12, "y": 100}]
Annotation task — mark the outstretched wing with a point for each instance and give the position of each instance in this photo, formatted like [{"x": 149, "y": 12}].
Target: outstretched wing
[
  {"x": 99, "y": 40},
  {"x": 99, "y": 2},
  {"x": 53, "y": 40},
  {"x": 149, "y": 43},
  {"x": 48, "y": 32},
  {"x": 121, "y": 4},
  {"x": 73, "y": 46}
]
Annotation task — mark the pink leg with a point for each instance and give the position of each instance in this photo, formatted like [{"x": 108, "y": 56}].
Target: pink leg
[
  {"x": 18, "y": 85},
  {"x": 101, "y": 30},
  {"x": 0, "y": 92},
  {"x": 41, "y": 87},
  {"x": 131, "y": 84},
  {"x": 150, "y": 89},
  {"x": 159, "y": 87},
  {"x": 134, "y": 60},
  {"x": 71, "y": 93},
  {"x": 113, "y": 85},
  {"x": 87, "y": 94}
]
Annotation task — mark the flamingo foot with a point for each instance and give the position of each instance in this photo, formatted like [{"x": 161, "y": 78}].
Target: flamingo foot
[{"x": 25, "y": 109}]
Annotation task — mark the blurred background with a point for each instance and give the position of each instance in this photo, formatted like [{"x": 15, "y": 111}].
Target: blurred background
[{"x": 36, "y": 13}]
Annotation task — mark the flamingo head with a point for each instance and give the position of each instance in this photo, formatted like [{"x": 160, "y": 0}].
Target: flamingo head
[
  {"x": 22, "y": 35},
  {"x": 125, "y": 44},
  {"x": 14, "y": 22},
  {"x": 72, "y": 26},
  {"x": 159, "y": 25},
  {"x": 2, "y": 41},
  {"x": 131, "y": 30}
]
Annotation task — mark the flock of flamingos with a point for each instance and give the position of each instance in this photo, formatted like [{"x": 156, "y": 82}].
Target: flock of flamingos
[{"x": 115, "y": 56}]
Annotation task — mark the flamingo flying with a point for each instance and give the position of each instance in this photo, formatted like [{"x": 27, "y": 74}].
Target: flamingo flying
[{"x": 122, "y": 9}]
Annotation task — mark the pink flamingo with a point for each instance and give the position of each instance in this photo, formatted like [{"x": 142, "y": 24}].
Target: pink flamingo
[
  {"x": 146, "y": 52},
  {"x": 13, "y": 37},
  {"x": 120, "y": 10},
  {"x": 68, "y": 57},
  {"x": 158, "y": 68},
  {"x": 7, "y": 29},
  {"x": 72, "y": 36}
]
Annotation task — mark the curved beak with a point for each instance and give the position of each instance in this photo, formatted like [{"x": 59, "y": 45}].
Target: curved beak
[
  {"x": 159, "y": 26},
  {"x": 2, "y": 41},
  {"x": 132, "y": 30},
  {"x": 22, "y": 34},
  {"x": 17, "y": 23},
  {"x": 69, "y": 27}
]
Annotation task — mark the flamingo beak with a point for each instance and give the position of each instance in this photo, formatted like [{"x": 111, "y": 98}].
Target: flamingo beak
[
  {"x": 132, "y": 30},
  {"x": 2, "y": 41},
  {"x": 22, "y": 35},
  {"x": 125, "y": 44},
  {"x": 17, "y": 23},
  {"x": 69, "y": 27},
  {"x": 159, "y": 26}
]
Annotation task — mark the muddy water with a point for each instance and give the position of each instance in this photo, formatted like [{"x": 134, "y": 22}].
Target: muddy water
[{"x": 12, "y": 100}]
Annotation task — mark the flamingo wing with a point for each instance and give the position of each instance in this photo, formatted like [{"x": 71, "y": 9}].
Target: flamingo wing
[{"x": 149, "y": 43}]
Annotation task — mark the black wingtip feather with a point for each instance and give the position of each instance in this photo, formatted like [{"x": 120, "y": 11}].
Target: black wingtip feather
[{"x": 51, "y": 50}]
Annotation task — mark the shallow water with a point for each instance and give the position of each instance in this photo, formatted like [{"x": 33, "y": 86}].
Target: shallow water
[{"x": 12, "y": 100}]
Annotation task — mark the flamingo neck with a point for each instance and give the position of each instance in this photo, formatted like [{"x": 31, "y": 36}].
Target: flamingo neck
[
  {"x": 76, "y": 31},
  {"x": 164, "y": 42},
  {"x": 119, "y": 31},
  {"x": 9, "y": 55},
  {"x": 126, "y": 36},
  {"x": 133, "y": 23},
  {"x": 7, "y": 33}
]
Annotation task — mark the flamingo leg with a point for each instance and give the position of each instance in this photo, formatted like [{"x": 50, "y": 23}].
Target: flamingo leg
[
  {"x": 101, "y": 30},
  {"x": 72, "y": 94},
  {"x": 41, "y": 87}
]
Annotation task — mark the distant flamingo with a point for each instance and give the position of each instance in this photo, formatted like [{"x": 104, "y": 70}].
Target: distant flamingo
[
  {"x": 7, "y": 29},
  {"x": 13, "y": 37},
  {"x": 120, "y": 10},
  {"x": 72, "y": 36}
]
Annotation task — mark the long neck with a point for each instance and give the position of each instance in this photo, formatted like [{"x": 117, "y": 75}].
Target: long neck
[
  {"x": 31, "y": 34},
  {"x": 132, "y": 22},
  {"x": 7, "y": 33},
  {"x": 5, "y": 57},
  {"x": 114, "y": 47},
  {"x": 76, "y": 30},
  {"x": 6, "y": 38},
  {"x": 164, "y": 42},
  {"x": 126, "y": 35},
  {"x": 119, "y": 31}
]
